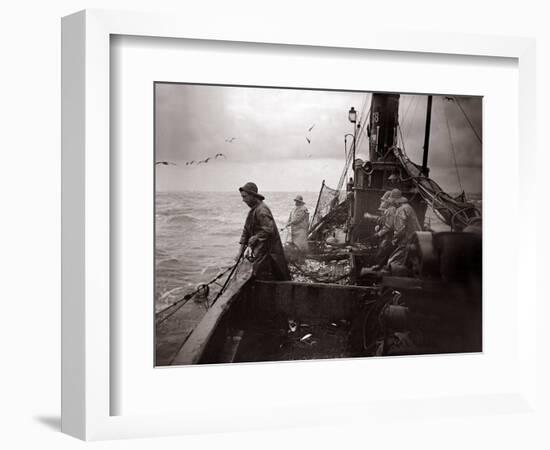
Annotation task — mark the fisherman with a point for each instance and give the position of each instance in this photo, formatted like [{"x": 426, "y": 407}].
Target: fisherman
[
  {"x": 385, "y": 230},
  {"x": 405, "y": 225},
  {"x": 260, "y": 240},
  {"x": 385, "y": 203},
  {"x": 298, "y": 221},
  {"x": 406, "y": 221}
]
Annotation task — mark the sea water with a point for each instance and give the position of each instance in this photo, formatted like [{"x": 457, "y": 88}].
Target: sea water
[{"x": 197, "y": 235}]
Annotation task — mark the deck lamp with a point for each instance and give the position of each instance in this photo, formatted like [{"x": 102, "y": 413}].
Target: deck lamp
[{"x": 352, "y": 115}]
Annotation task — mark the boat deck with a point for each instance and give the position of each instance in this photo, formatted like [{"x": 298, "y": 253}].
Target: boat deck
[
  {"x": 269, "y": 341},
  {"x": 281, "y": 321}
]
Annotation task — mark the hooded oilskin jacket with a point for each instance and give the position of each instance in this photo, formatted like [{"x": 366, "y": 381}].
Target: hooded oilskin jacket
[{"x": 406, "y": 222}]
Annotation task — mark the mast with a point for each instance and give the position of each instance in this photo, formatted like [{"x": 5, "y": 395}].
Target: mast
[
  {"x": 383, "y": 123},
  {"x": 370, "y": 176},
  {"x": 425, "y": 169}
]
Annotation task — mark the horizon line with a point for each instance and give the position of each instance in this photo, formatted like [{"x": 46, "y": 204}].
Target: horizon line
[{"x": 294, "y": 191}]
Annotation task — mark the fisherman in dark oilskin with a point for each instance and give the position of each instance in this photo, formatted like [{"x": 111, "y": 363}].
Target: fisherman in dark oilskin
[{"x": 260, "y": 240}]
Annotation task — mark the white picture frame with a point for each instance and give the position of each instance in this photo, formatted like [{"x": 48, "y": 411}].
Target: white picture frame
[{"x": 87, "y": 324}]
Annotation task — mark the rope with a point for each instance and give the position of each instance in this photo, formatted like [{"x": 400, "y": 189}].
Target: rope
[
  {"x": 467, "y": 119},
  {"x": 407, "y": 110},
  {"x": 465, "y": 221},
  {"x": 364, "y": 125},
  {"x": 362, "y": 122},
  {"x": 452, "y": 149},
  {"x": 413, "y": 114},
  {"x": 363, "y": 108},
  {"x": 188, "y": 297},
  {"x": 222, "y": 290},
  {"x": 173, "y": 312},
  {"x": 401, "y": 135},
  {"x": 454, "y": 214},
  {"x": 358, "y": 139},
  {"x": 438, "y": 200},
  {"x": 344, "y": 174}
]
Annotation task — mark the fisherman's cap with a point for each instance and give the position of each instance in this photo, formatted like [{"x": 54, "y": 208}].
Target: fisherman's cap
[
  {"x": 251, "y": 189},
  {"x": 397, "y": 197},
  {"x": 299, "y": 199}
]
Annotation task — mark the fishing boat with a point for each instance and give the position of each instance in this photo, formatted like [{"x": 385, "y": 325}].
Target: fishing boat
[{"x": 337, "y": 306}]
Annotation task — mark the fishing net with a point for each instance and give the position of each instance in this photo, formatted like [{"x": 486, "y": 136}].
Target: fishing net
[
  {"x": 327, "y": 201},
  {"x": 331, "y": 209},
  {"x": 331, "y": 213}
]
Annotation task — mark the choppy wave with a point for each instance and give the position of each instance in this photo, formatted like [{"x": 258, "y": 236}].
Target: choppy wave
[
  {"x": 183, "y": 219},
  {"x": 198, "y": 233}
]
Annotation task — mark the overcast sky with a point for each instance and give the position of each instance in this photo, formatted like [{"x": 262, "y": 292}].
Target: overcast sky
[{"x": 271, "y": 126}]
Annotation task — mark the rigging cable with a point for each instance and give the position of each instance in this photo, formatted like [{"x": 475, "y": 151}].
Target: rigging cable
[
  {"x": 363, "y": 108},
  {"x": 363, "y": 119},
  {"x": 399, "y": 127},
  {"x": 344, "y": 174},
  {"x": 467, "y": 118},
  {"x": 406, "y": 131},
  {"x": 446, "y": 208},
  {"x": 452, "y": 147},
  {"x": 413, "y": 98},
  {"x": 401, "y": 135}
]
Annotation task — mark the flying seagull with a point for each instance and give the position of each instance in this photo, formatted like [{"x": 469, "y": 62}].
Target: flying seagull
[
  {"x": 165, "y": 163},
  {"x": 308, "y": 141},
  {"x": 219, "y": 155},
  {"x": 311, "y": 127},
  {"x": 230, "y": 140}
]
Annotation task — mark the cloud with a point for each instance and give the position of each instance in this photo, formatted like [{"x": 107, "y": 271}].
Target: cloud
[
  {"x": 271, "y": 126},
  {"x": 279, "y": 175}
]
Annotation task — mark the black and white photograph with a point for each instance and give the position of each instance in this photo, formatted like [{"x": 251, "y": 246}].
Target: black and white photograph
[
  {"x": 274, "y": 226},
  {"x": 307, "y": 224}
]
